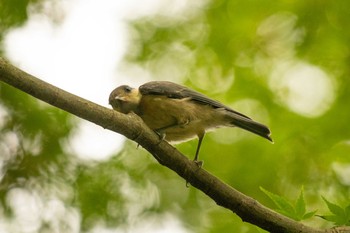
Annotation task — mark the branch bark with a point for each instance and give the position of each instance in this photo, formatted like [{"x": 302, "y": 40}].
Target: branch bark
[{"x": 132, "y": 127}]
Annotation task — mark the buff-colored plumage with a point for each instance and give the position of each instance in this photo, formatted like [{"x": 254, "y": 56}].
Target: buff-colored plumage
[{"x": 178, "y": 113}]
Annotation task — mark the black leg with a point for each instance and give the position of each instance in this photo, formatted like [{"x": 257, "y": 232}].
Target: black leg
[
  {"x": 199, "y": 163},
  {"x": 200, "y": 139}
]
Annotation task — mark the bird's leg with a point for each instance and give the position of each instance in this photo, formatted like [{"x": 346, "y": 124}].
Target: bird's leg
[
  {"x": 200, "y": 139},
  {"x": 195, "y": 160}
]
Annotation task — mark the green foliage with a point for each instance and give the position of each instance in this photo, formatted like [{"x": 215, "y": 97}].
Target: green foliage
[
  {"x": 232, "y": 51},
  {"x": 340, "y": 216},
  {"x": 13, "y": 13},
  {"x": 36, "y": 137},
  {"x": 296, "y": 211}
]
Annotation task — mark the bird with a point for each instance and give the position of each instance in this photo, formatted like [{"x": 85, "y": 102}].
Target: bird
[{"x": 177, "y": 113}]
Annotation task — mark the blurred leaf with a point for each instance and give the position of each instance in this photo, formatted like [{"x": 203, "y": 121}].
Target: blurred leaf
[{"x": 13, "y": 13}]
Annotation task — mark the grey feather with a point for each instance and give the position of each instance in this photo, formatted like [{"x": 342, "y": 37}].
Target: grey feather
[{"x": 176, "y": 91}]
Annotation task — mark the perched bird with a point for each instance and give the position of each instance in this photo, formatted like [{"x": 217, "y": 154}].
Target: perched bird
[{"x": 177, "y": 113}]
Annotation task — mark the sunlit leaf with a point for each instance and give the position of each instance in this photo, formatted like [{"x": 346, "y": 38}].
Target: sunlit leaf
[{"x": 340, "y": 216}]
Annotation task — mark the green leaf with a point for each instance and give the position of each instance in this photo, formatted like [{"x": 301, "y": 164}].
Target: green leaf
[
  {"x": 335, "y": 209},
  {"x": 279, "y": 201},
  {"x": 340, "y": 216},
  {"x": 347, "y": 211},
  {"x": 296, "y": 211},
  {"x": 284, "y": 207},
  {"x": 330, "y": 218},
  {"x": 309, "y": 215},
  {"x": 300, "y": 208}
]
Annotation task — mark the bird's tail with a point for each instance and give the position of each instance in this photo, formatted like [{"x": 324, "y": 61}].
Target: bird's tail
[{"x": 246, "y": 123}]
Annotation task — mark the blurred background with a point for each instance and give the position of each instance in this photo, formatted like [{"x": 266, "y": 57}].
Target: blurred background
[{"x": 284, "y": 63}]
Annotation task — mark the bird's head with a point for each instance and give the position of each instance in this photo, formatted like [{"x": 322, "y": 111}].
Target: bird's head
[{"x": 125, "y": 99}]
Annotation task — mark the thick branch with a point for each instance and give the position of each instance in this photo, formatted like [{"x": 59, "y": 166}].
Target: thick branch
[{"x": 133, "y": 127}]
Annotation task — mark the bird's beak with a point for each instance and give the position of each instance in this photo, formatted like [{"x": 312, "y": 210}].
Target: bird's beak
[{"x": 118, "y": 97}]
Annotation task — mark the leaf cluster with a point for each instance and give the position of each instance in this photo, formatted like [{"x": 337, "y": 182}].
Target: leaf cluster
[{"x": 296, "y": 210}]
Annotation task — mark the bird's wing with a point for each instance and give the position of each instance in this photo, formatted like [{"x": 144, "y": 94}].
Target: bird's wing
[{"x": 176, "y": 91}]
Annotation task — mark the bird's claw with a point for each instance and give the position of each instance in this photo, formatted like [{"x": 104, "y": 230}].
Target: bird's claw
[
  {"x": 160, "y": 134},
  {"x": 199, "y": 163}
]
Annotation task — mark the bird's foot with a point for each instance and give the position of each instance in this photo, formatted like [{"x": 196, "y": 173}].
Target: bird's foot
[
  {"x": 199, "y": 163},
  {"x": 160, "y": 134}
]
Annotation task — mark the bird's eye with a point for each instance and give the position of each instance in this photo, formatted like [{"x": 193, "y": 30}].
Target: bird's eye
[{"x": 127, "y": 89}]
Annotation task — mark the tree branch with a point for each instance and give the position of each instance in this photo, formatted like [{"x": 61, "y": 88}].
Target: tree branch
[{"x": 132, "y": 127}]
